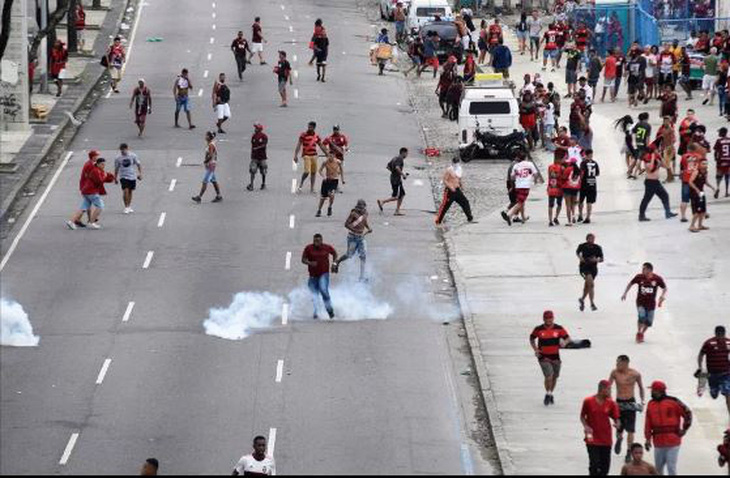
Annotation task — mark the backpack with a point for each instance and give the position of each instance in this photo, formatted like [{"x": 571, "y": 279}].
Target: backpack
[{"x": 224, "y": 93}]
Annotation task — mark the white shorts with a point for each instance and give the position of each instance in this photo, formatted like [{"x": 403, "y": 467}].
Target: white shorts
[
  {"x": 609, "y": 82},
  {"x": 708, "y": 82},
  {"x": 465, "y": 42},
  {"x": 257, "y": 47},
  {"x": 223, "y": 111}
]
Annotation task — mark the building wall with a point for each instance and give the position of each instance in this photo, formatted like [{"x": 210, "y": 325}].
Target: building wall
[{"x": 14, "y": 107}]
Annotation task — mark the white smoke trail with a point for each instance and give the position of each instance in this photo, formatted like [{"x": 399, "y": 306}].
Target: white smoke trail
[
  {"x": 15, "y": 328},
  {"x": 351, "y": 301},
  {"x": 247, "y": 312}
]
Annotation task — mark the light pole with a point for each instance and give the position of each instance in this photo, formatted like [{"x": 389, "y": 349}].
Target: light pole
[{"x": 71, "y": 34}]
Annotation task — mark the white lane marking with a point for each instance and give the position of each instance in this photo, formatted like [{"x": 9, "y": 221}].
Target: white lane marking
[
  {"x": 133, "y": 36},
  {"x": 294, "y": 168},
  {"x": 291, "y": 221},
  {"x": 296, "y": 92},
  {"x": 128, "y": 312},
  {"x": 291, "y": 28},
  {"x": 210, "y": 55},
  {"x": 294, "y": 58},
  {"x": 283, "y": 7},
  {"x": 103, "y": 371},
  {"x": 213, "y": 4},
  {"x": 173, "y": 182},
  {"x": 70, "y": 448},
  {"x": 279, "y": 370},
  {"x": 200, "y": 92},
  {"x": 108, "y": 94},
  {"x": 286, "y": 17},
  {"x": 161, "y": 221},
  {"x": 213, "y": 15},
  {"x": 287, "y": 263},
  {"x": 212, "y": 40},
  {"x": 205, "y": 74},
  {"x": 179, "y": 161},
  {"x": 148, "y": 259},
  {"x": 344, "y": 53},
  {"x": 214, "y": 26},
  {"x": 296, "y": 74},
  {"x": 284, "y": 314},
  {"x": 35, "y": 210},
  {"x": 294, "y": 182},
  {"x": 271, "y": 442},
  {"x": 294, "y": 40}
]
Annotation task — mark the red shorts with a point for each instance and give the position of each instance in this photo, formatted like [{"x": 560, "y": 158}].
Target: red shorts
[
  {"x": 521, "y": 194},
  {"x": 723, "y": 170},
  {"x": 528, "y": 122},
  {"x": 433, "y": 61}
]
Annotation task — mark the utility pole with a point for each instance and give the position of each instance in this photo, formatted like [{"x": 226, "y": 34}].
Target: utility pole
[
  {"x": 45, "y": 50},
  {"x": 14, "y": 91},
  {"x": 72, "y": 36}
]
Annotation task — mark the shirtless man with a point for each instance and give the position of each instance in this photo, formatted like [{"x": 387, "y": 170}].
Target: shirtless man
[
  {"x": 627, "y": 379},
  {"x": 331, "y": 170},
  {"x": 637, "y": 466}
]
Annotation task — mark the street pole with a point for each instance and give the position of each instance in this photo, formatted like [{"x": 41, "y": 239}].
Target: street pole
[
  {"x": 72, "y": 37},
  {"x": 44, "y": 60}
]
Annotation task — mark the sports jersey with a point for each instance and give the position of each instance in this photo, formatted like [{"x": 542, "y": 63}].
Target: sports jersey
[
  {"x": 563, "y": 141},
  {"x": 581, "y": 38},
  {"x": 722, "y": 153},
  {"x": 523, "y": 172},
  {"x": 548, "y": 340},
  {"x": 598, "y": 416},
  {"x": 590, "y": 172},
  {"x": 259, "y": 140},
  {"x": 636, "y": 67},
  {"x": 495, "y": 32},
  {"x": 717, "y": 352},
  {"x": 309, "y": 143},
  {"x": 648, "y": 288},
  {"x": 338, "y": 140},
  {"x": 666, "y": 62},
  {"x": 551, "y": 38},
  {"x": 571, "y": 177},
  {"x": 554, "y": 182},
  {"x": 687, "y": 166},
  {"x": 642, "y": 131},
  {"x": 575, "y": 155},
  {"x": 248, "y": 465}
]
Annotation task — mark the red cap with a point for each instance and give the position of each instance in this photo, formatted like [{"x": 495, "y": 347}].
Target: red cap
[
  {"x": 548, "y": 314},
  {"x": 604, "y": 384},
  {"x": 659, "y": 386},
  {"x": 94, "y": 153},
  {"x": 258, "y": 126}
]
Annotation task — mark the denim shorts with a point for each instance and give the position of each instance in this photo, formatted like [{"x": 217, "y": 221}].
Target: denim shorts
[
  {"x": 719, "y": 384},
  {"x": 356, "y": 245},
  {"x": 182, "y": 103},
  {"x": 91, "y": 200},
  {"x": 550, "y": 54},
  {"x": 209, "y": 176},
  {"x": 646, "y": 316},
  {"x": 685, "y": 192}
]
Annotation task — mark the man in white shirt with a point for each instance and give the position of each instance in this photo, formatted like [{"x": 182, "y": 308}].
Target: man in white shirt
[
  {"x": 258, "y": 463},
  {"x": 524, "y": 174}
]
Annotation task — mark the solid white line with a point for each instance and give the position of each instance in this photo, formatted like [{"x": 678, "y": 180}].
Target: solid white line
[
  {"x": 128, "y": 312},
  {"x": 294, "y": 58},
  {"x": 296, "y": 92},
  {"x": 179, "y": 161},
  {"x": 205, "y": 74},
  {"x": 284, "y": 314},
  {"x": 294, "y": 168},
  {"x": 200, "y": 92},
  {"x": 271, "y": 442},
  {"x": 103, "y": 371},
  {"x": 212, "y": 40},
  {"x": 210, "y": 55},
  {"x": 291, "y": 28},
  {"x": 173, "y": 182},
  {"x": 291, "y": 221},
  {"x": 287, "y": 264},
  {"x": 148, "y": 259},
  {"x": 161, "y": 221},
  {"x": 133, "y": 36},
  {"x": 294, "y": 181},
  {"x": 69, "y": 448},
  {"x": 35, "y": 210},
  {"x": 279, "y": 370}
]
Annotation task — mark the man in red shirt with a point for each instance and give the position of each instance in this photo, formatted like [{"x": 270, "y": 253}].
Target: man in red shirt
[
  {"x": 308, "y": 143},
  {"x": 338, "y": 145},
  {"x": 550, "y": 38},
  {"x": 257, "y": 41},
  {"x": 547, "y": 340},
  {"x": 716, "y": 352},
  {"x": 648, "y": 285},
  {"x": 259, "y": 161},
  {"x": 596, "y": 415},
  {"x": 83, "y": 179},
  {"x": 609, "y": 77},
  {"x": 316, "y": 257},
  {"x": 555, "y": 189},
  {"x": 722, "y": 161},
  {"x": 666, "y": 422},
  {"x": 494, "y": 34},
  {"x": 687, "y": 165}
]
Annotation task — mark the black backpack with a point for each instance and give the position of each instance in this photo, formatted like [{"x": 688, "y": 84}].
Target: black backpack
[{"x": 224, "y": 94}]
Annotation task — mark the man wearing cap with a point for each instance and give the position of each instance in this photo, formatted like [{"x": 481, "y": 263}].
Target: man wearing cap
[
  {"x": 259, "y": 162},
  {"x": 142, "y": 102},
  {"x": 85, "y": 170},
  {"x": 667, "y": 421},
  {"x": 716, "y": 352},
  {"x": 92, "y": 188},
  {"x": 596, "y": 415},
  {"x": 547, "y": 340},
  {"x": 338, "y": 144}
]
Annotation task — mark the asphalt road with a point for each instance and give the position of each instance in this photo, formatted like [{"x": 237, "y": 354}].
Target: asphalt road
[{"x": 368, "y": 396}]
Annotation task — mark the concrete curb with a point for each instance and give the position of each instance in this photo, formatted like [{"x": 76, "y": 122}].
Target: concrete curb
[{"x": 53, "y": 140}]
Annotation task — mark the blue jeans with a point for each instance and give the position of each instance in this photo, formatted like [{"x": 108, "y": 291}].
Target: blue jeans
[
  {"x": 321, "y": 286},
  {"x": 721, "y": 97},
  {"x": 666, "y": 458}
]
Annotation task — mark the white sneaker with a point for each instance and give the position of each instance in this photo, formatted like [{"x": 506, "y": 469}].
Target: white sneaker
[
  {"x": 131, "y": 210},
  {"x": 95, "y": 225},
  {"x": 71, "y": 225},
  {"x": 126, "y": 210}
]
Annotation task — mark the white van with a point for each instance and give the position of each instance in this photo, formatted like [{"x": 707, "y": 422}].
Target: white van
[
  {"x": 421, "y": 12},
  {"x": 493, "y": 105}
]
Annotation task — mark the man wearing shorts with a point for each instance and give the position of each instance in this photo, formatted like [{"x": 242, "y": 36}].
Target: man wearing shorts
[
  {"x": 609, "y": 77},
  {"x": 534, "y": 26},
  {"x": 554, "y": 188},
  {"x": 722, "y": 161},
  {"x": 308, "y": 143},
  {"x": 142, "y": 103},
  {"x": 259, "y": 161},
  {"x": 547, "y": 340},
  {"x": 124, "y": 173},
  {"x": 221, "y": 95},
  {"x": 590, "y": 255},
  {"x": 397, "y": 176},
  {"x": 337, "y": 144},
  {"x": 257, "y": 41},
  {"x": 627, "y": 381},
  {"x": 357, "y": 227},
  {"x": 716, "y": 352},
  {"x": 283, "y": 76},
  {"x": 430, "y": 58},
  {"x": 330, "y": 171},
  {"x": 572, "y": 59},
  {"x": 550, "y": 50},
  {"x": 588, "y": 185},
  {"x": 648, "y": 285},
  {"x": 524, "y": 174},
  {"x": 181, "y": 91}
]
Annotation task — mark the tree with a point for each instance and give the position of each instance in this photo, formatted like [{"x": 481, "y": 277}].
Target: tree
[
  {"x": 5, "y": 34},
  {"x": 50, "y": 31}
]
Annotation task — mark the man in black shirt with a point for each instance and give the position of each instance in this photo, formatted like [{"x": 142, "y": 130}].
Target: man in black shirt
[
  {"x": 590, "y": 254},
  {"x": 642, "y": 135},
  {"x": 636, "y": 67},
  {"x": 588, "y": 186},
  {"x": 239, "y": 47},
  {"x": 395, "y": 166},
  {"x": 283, "y": 74}
]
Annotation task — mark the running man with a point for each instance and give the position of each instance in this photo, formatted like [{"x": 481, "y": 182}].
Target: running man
[
  {"x": 284, "y": 76},
  {"x": 667, "y": 420},
  {"x": 627, "y": 380},
  {"x": 589, "y": 254},
  {"x": 648, "y": 284},
  {"x": 257, "y": 41},
  {"x": 330, "y": 172},
  {"x": 259, "y": 161},
  {"x": 308, "y": 143},
  {"x": 524, "y": 174},
  {"x": 181, "y": 90},
  {"x": 338, "y": 145},
  {"x": 716, "y": 353},
  {"x": 357, "y": 227},
  {"x": 653, "y": 186},
  {"x": 258, "y": 462},
  {"x": 452, "y": 192},
  {"x": 697, "y": 183},
  {"x": 220, "y": 96},
  {"x": 124, "y": 173},
  {"x": 636, "y": 466},
  {"x": 397, "y": 176},
  {"x": 210, "y": 162},
  {"x": 547, "y": 340},
  {"x": 316, "y": 257},
  {"x": 722, "y": 161},
  {"x": 596, "y": 415},
  {"x": 142, "y": 103},
  {"x": 240, "y": 47},
  {"x": 588, "y": 186}
]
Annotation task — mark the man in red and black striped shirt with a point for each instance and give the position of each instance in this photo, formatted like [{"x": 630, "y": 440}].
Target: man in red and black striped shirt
[
  {"x": 716, "y": 352},
  {"x": 547, "y": 340}
]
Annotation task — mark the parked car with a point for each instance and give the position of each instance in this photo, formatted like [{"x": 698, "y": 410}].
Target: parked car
[
  {"x": 387, "y": 8},
  {"x": 448, "y": 34},
  {"x": 421, "y": 12}
]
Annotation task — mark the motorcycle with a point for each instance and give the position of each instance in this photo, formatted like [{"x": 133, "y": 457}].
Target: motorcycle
[{"x": 494, "y": 145}]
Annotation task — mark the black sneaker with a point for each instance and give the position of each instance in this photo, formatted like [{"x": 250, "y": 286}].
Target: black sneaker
[
  {"x": 556, "y": 222},
  {"x": 617, "y": 445},
  {"x": 517, "y": 219},
  {"x": 319, "y": 214},
  {"x": 670, "y": 215},
  {"x": 546, "y": 400},
  {"x": 263, "y": 186},
  {"x": 218, "y": 199},
  {"x": 644, "y": 219},
  {"x": 580, "y": 218},
  {"x": 587, "y": 221},
  {"x": 329, "y": 211},
  {"x": 593, "y": 307},
  {"x": 582, "y": 303},
  {"x": 504, "y": 216},
  {"x": 196, "y": 199},
  {"x": 552, "y": 400},
  {"x": 249, "y": 187},
  {"x": 331, "y": 314}
]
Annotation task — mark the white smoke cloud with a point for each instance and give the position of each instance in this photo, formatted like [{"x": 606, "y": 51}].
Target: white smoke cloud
[
  {"x": 15, "y": 328},
  {"x": 247, "y": 312},
  {"x": 351, "y": 301}
]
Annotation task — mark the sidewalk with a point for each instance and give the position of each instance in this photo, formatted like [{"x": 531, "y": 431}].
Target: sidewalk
[{"x": 507, "y": 276}]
